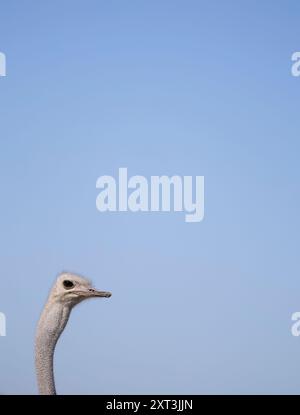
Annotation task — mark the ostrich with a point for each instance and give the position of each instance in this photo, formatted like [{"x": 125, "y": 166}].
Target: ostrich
[{"x": 68, "y": 290}]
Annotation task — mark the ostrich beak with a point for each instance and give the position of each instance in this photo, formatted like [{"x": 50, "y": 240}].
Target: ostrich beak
[{"x": 97, "y": 293}]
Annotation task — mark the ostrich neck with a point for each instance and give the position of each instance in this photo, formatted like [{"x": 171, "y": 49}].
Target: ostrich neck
[{"x": 51, "y": 324}]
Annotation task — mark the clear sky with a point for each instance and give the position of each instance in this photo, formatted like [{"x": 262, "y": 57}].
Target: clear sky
[{"x": 160, "y": 87}]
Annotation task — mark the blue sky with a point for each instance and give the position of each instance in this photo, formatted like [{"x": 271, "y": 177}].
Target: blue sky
[{"x": 159, "y": 87}]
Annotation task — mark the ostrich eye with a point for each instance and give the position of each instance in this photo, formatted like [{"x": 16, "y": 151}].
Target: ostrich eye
[{"x": 68, "y": 284}]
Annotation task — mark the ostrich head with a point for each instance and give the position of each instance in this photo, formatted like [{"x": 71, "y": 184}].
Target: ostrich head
[{"x": 70, "y": 289}]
